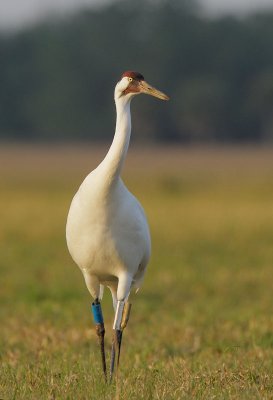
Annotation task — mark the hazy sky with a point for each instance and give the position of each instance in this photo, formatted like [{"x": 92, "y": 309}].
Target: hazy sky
[{"x": 16, "y": 13}]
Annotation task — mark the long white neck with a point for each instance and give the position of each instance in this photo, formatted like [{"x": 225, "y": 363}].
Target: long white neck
[{"x": 113, "y": 162}]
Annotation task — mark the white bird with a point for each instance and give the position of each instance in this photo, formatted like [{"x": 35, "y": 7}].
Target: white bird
[{"x": 107, "y": 231}]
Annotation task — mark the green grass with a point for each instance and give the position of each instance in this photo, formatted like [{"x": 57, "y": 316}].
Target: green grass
[{"x": 202, "y": 325}]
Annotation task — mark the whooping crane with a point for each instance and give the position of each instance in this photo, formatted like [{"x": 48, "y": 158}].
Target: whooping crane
[{"x": 107, "y": 232}]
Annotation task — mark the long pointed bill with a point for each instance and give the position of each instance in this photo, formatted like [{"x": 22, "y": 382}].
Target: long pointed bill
[{"x": 148, "y": 89}]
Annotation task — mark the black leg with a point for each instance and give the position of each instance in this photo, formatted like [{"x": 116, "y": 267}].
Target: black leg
[
  {"x": 120, "y": 322},
  {"x": 113, "y": 354}
]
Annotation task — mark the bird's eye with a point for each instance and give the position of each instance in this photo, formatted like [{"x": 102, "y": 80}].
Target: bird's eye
[{"x": 130, "y": 79}]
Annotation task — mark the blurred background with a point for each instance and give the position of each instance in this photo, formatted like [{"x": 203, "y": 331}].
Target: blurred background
[
  {"x": 201, "y": 165},
  {"x": 60, "y": 60}
]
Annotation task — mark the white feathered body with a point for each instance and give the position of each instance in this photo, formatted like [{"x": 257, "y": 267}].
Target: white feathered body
[{"x": 107, "y": 232}]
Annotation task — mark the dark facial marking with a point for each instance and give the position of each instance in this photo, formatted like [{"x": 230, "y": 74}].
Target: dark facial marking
[{"x": 133, "y": 87}]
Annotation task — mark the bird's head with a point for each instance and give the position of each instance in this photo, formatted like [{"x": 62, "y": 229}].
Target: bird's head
[{"x": 133, "y": 83}]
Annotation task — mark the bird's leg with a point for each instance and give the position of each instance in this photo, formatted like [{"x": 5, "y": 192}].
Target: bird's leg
[
  {"x": 116, "y": 335},
  {"x": 120, "y": 322},
  {"x": 124, "y": 321},
  {"x": 115, "y": 340},
  {"x": 100, "y": 331}
]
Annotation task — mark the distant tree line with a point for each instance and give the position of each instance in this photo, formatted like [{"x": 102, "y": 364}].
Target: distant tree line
[{"x": 57, "y": 78}]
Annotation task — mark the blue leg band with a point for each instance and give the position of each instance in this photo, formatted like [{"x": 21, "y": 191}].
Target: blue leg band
[{"x": 97, "y": 313}]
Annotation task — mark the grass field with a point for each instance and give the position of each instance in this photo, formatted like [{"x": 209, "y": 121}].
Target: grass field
[{"x": 202, "y": 325}]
